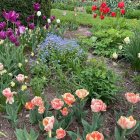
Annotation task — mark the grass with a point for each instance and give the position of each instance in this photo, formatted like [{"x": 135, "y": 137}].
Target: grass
[{"x": 87, "y": 20}]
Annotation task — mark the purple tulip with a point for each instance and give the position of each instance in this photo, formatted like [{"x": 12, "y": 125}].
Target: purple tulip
[
  {"x": 2, "y": 25},
  {"x": 9, "y": 32},
  {"x": 29, "y": 18},
  {"x": 13, "y": 38},
  {"x": 47, "y": 26},
  {"x": 44, "y": 18},
  {"x": 18, "y": 23},
  {"x": 2, "y": 35},
  {"x": 52, "y": 18},
  {"x": 31, "y": 26},
  {"x": 21, "y": 29},
  {"x": 17, "y": 43},
  {"x": 11, "y": 16},
  {"x": 36, "y": 6}
]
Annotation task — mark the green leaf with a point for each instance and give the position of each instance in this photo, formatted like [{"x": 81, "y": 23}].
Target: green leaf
[{"x": 117, "y": 134}]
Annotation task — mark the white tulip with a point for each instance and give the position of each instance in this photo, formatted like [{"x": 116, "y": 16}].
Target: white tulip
[
  {"x": 127, "y": 40},
  {"x": 39, "y": 13},
  {"x": 115, "y": 55},
  {"x": 49, "y": 21},
  {"x": 120, "y": 47},
  {"x": 58, "y": 21},
  {"x": 138, "y": 55}
]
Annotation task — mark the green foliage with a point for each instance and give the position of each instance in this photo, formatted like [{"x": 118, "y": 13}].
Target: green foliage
[
  {"x": 133, "y": 14},
  {"x": 38, "y": 84},
  {"x": 10, "y": 56},
  {"x": 63, "y": 6},
  {"x": 132, "y": 50},
  {"x": 12, "y": 113},
  {"x": 136, "y": 79},
  {"x": 108, "y": 41},
  {"x": 22, "y": 134},
  {"x": 98, "y": 80}
]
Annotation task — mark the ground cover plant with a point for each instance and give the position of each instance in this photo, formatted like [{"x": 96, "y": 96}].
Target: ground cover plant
[{"x": 73, "y": 75}]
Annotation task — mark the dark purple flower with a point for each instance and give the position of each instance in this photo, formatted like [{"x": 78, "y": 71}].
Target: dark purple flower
[
  {"x": 52, "y": 18},
  {"x": 47, "y": 26},
  {"x": 2, "y": 35},
  {"x": 11, "y": 16},
  {"x": 2, "y": 25},
  {"x": 36, "y": 6},
  {"x": 18, "y": 23},
  {"x": 17, "y": 43},
  {"x": 9, "y": 32},
  {"x": 31, "y": 26},
  {"x": 13, "y": 38},
  {"x": 29, "y": 18},
  {"x": 44, "y": 18}
]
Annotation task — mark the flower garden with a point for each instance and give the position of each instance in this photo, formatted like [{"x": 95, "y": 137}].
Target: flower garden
[{"x": 70, "y": 70}]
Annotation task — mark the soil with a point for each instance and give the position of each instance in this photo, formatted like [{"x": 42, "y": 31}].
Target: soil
[{"x": 121, "y": 68}]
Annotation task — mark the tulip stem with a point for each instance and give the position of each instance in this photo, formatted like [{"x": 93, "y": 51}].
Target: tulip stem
[
  {"x": 50, "y": 134},
  {"x": 123, "y": 134}
]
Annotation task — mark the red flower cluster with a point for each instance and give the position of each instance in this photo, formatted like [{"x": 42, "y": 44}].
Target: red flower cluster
[{"x": 105, "y": 10}]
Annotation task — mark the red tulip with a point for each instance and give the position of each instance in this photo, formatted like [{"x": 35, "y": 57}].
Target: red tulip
[
  {"x": 113, "y": 14},
  {"x": 102, "y": 17},
  {"x": 103, "y": 5},
  {"x": 94, "y": 15},
  {"x": 94, "y": 8},
  {"x": 122, "y": 11},
  {"x": 121, "y": 4}
]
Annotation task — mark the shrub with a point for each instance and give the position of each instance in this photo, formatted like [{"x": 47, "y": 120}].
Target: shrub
[
  {"x": 98, "y": 80},
  {"x": 132, "y": 50},
  {"x": 133, "y": 14},
  {"x": 25, "y": 7}
]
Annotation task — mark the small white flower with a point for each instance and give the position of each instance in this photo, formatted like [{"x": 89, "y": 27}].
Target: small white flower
[
  {"x": 120, "y": 47},
  {"x": 12, "y": 84},
  {"x": 37, "y": 62},
  {"x": 127, "y": 40},
  {"x": 58, "y": 21},
  {"x": 1, "y": 42},
  {"x": 10, "y": 74},
  {"x": 49, "y": 21},
  {"x": 32, "y": 54},
  {"x": 26, "y": 60},
  {"x": 115, "y": 55},
  {"x": 19, "y": 65},
  {"x": 26, "y": 77},
  {"x": 38, "y": 13},
  {"x": 138, "y": 55}
]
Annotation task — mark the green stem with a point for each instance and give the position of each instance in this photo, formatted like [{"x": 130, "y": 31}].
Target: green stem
[{"x": 123, "y": 134}]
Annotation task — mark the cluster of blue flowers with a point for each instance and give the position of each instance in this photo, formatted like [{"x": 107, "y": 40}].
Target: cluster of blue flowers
[{"x": 60, "y": 45}]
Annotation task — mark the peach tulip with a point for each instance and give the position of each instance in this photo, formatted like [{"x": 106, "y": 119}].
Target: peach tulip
[
  {"x": 126, "y": 123},
  {"x": 68, "y": 98},
  {"x": 48, "y": 123},
  {"x": 82, "y": 93},
  {"x": 64, "y": 111},
  {"x": 37, "y": 101},
  {"x": 57, "y": 104},
  {"x": 60, "y": 133},
  {"x": 132, "y": 97},
  {"x": 29, "y": 106},
  {"x": 98, "y": 105},
  {"x": 95, "y": 135},
  {"x": 9, "y": 95}
]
